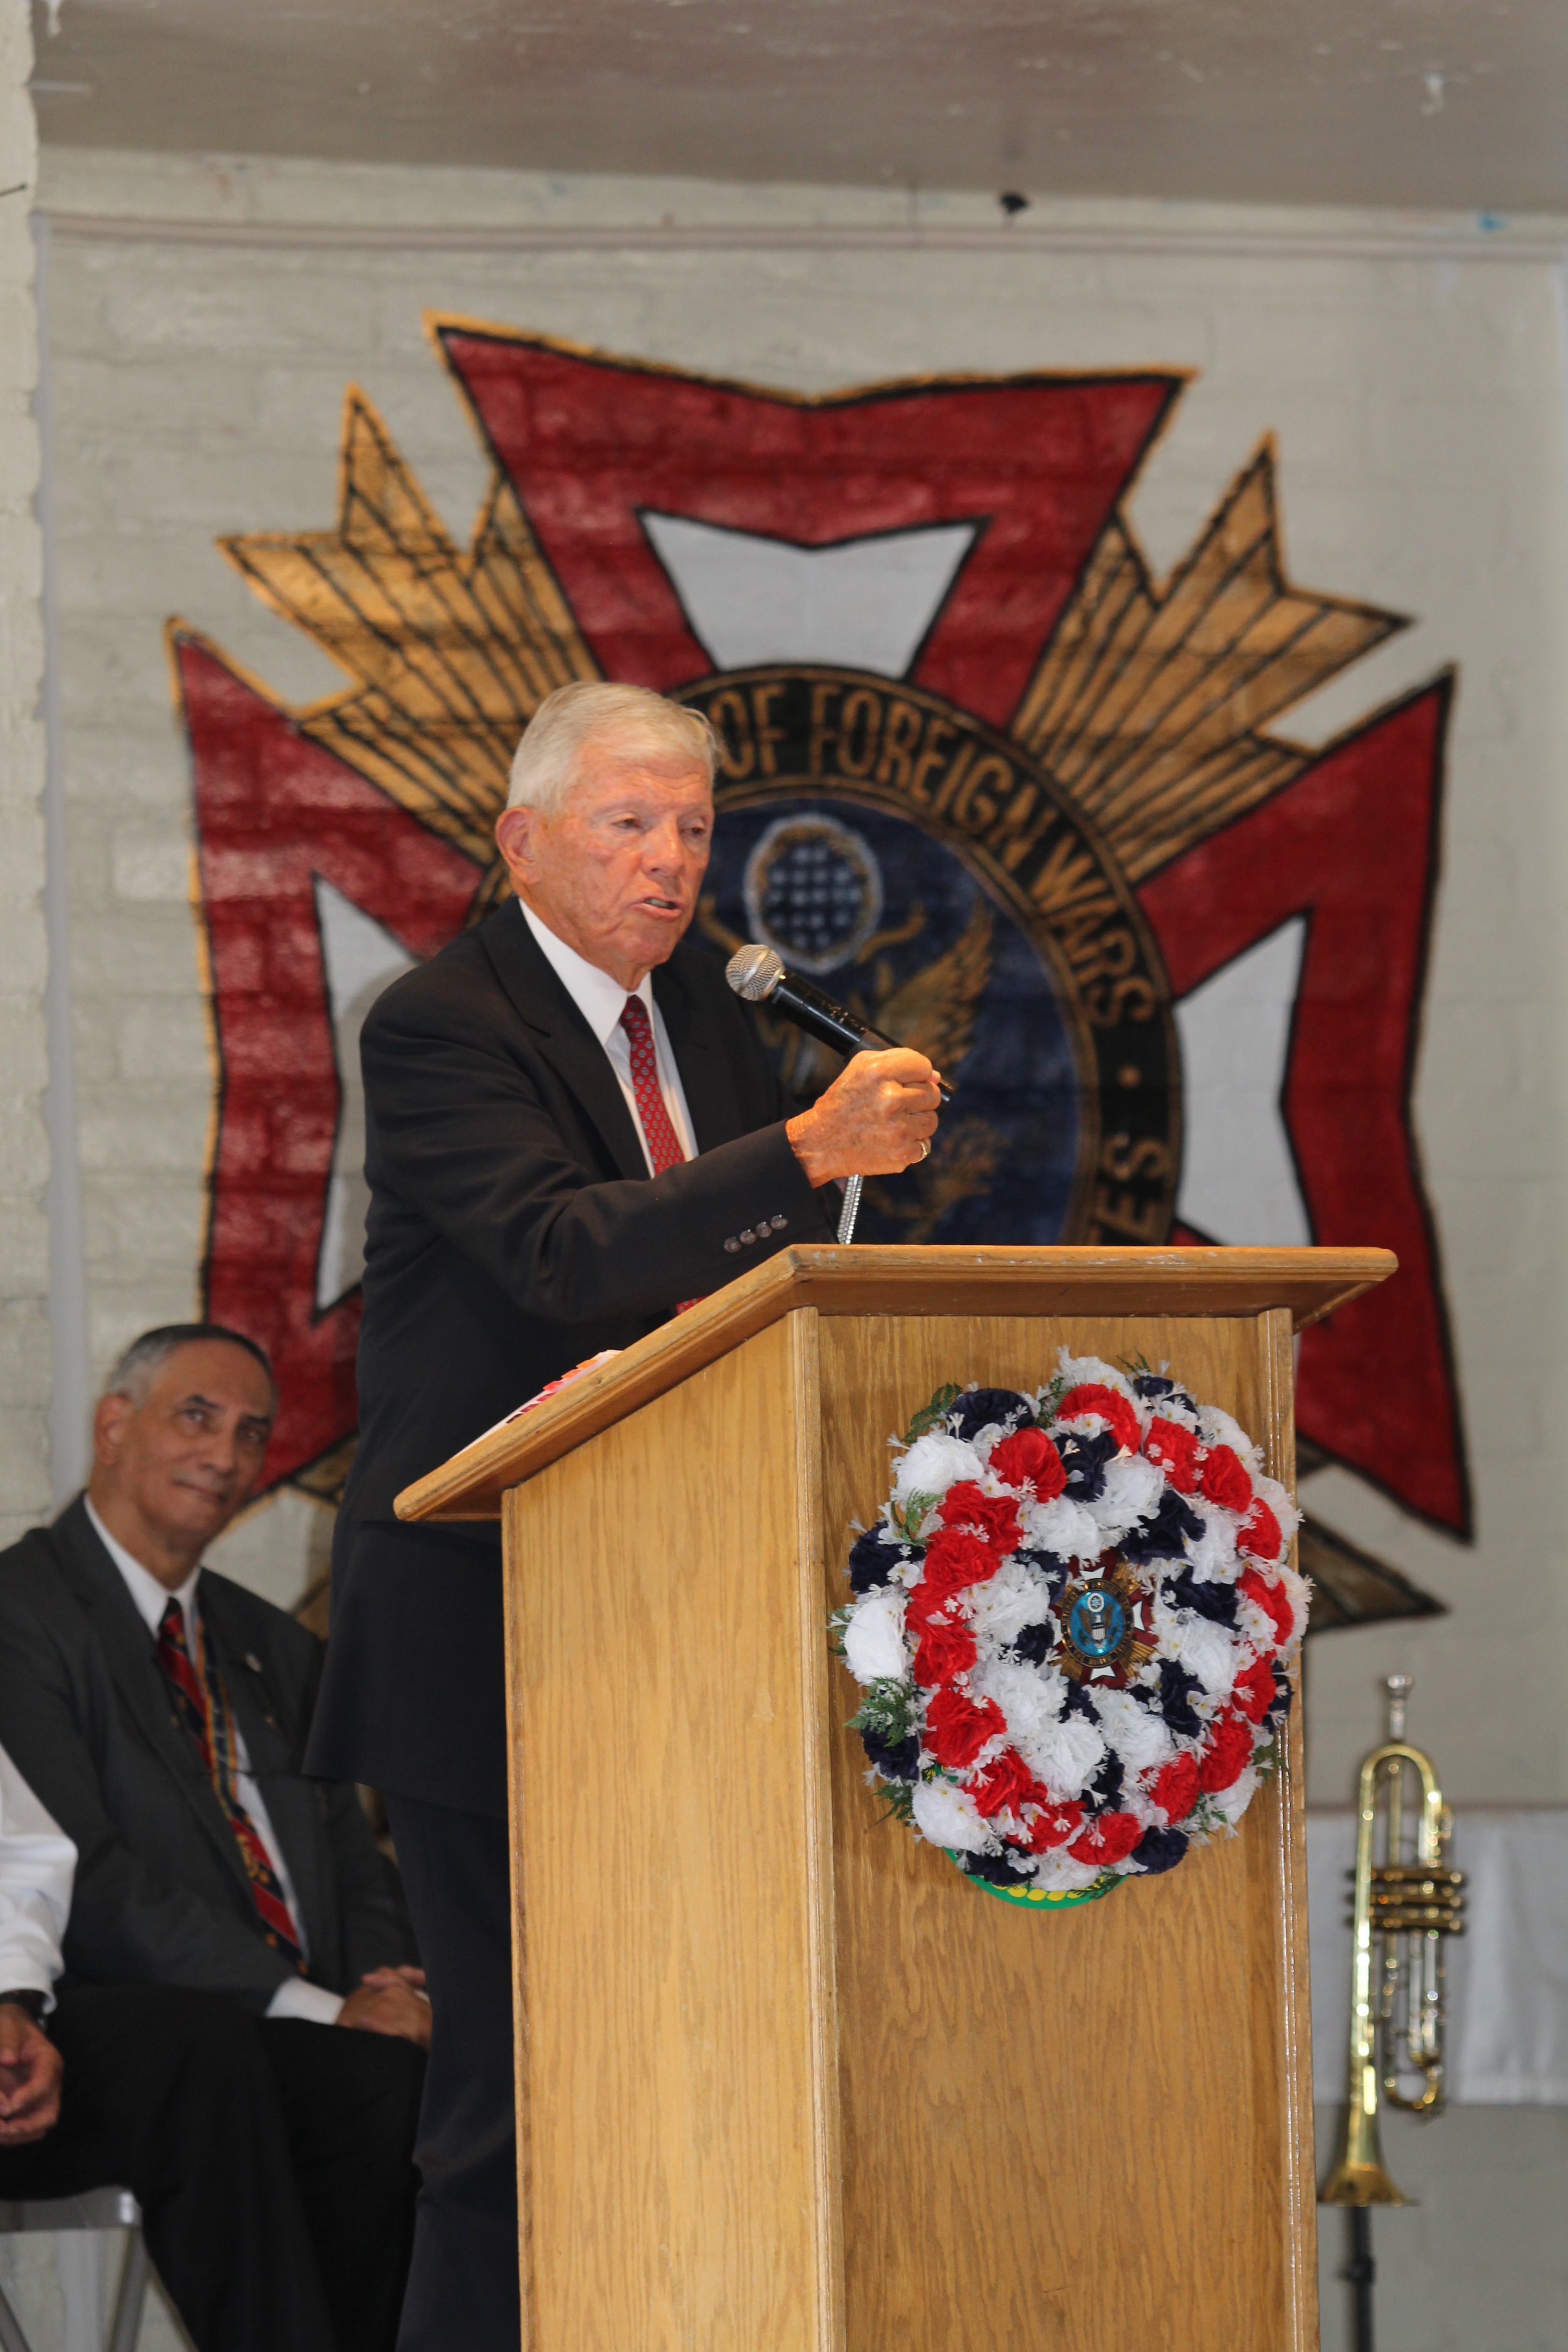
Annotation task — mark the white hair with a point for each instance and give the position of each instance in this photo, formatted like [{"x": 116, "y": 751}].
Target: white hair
[{"x": 625, "y": 719}]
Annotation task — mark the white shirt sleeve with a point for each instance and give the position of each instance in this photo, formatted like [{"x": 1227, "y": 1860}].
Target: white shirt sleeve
[
  {"x": 37, "y": 1864},
  {"x": 314, "y": 2004}
]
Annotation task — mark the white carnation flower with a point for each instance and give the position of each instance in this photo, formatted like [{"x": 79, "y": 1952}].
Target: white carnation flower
[
  {"x": 1025, "y": 1697},
  {"x": 1058, "y": 1874},
  {"x": 874, "y": 1638},
  {"x": 1279, "y": 1503},
  {"x": 1214, "y": 1556},
  {"x": 1064, "y": 1756},
  {"x": 1205, "y": 1650},
  {"x": 1218, "y": 1429},
  {"x": 933, "y": 1464},
  {"x": 1256, "y": 1626},
  {"x": 1130, "y": 1494},
  {"x": 1301, "y": 1593},
  {"x": 1137, "y": 1733},
  {"x": 1064, "y": 1527},
  {"x": 1083, "y": 1371},
  {"x": 1015, "y": 1597},
  {"x": 948, "y": 1816},
  {"x": 1234, "y": 1801}
]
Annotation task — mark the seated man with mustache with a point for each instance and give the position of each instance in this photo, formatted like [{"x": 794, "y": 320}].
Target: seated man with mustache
[{"x": 229, "y": 1917}]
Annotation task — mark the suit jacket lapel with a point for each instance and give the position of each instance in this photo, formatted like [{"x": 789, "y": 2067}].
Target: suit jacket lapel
[
  {"x": 99, "y": 1586},
  {"x": 558, "y": 1031}
]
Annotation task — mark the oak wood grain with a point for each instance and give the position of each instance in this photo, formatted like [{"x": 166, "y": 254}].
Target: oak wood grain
[
  {"x": 672, "y": 1857},
  {"x": 892, "y": 1282},
  {"x": 1292, "y": 2046},
  {"x": 1071, "y": 2131}
]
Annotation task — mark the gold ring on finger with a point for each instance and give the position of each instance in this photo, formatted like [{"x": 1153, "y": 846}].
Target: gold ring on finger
[{"x": 925, "y": 1148}]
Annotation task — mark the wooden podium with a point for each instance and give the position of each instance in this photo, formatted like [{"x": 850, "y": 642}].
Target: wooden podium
[{"x": 786, "y": 2080}]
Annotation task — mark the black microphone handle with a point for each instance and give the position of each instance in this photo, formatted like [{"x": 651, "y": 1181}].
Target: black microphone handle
[{"x": 810, "y": 1010}]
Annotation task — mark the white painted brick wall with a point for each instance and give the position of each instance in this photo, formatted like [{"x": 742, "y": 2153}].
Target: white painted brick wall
[
  {"x": 1418, "y": 406},
  {"x": 24, "y": 1149}
]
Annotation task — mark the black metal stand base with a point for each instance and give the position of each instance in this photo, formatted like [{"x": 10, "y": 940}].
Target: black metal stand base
[{"x": 1359, "y": 2274}]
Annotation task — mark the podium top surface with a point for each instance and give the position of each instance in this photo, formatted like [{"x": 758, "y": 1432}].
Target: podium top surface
[{"x": 870, "y": 1280}]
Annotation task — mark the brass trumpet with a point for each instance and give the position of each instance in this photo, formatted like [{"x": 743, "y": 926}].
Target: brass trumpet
[{"x": 1406, "y": 1902}]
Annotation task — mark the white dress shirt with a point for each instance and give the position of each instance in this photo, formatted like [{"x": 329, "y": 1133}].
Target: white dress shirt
[
  {"x": 294, "y": 1997},
  {"x": 37, "y": 1863},
  {"x": 600, "y": 1000}
]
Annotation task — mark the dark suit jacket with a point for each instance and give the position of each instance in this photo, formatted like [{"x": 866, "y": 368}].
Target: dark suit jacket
[
  {"x": 513, "y": 1230},
  {"x": 161, "y": 1894}
]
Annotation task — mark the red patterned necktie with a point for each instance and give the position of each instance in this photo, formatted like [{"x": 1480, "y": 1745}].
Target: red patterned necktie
[
  {"x": 658, "y": 1128},
  {"x": 659, "y": 1131},
  {"x": 204, "y": 1706}
]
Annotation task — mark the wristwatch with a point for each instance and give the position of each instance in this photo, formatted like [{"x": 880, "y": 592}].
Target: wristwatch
[{"x": 31, "y": 1999}]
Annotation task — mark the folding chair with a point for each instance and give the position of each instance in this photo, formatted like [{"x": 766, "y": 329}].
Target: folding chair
[{"x": 100, "y": 2208}]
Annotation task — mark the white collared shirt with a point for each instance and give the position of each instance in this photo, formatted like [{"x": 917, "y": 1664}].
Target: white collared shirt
[
  {"x": 37, "y": 1863},
  {"x": 294, "y": 1997},
  {"x": 600, "y": 1000}
]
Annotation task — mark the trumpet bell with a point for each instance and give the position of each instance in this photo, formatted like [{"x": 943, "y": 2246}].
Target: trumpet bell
[{"x": 1360, "y": 2183}]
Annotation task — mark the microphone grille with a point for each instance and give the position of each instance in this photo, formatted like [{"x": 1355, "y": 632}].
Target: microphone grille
[{"x": 755, "y": 972}]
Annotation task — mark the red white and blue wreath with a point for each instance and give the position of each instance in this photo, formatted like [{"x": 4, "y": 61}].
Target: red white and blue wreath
[{"x": 1073, "y": 1625}]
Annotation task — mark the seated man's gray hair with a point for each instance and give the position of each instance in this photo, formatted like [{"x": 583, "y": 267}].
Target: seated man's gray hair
[
  {"x": 138, "y": 1368},
  {"x": 621, "y": 719}
]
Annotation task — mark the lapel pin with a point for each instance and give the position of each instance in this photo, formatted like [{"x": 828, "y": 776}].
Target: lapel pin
[{"x": 253, "y": 1662}]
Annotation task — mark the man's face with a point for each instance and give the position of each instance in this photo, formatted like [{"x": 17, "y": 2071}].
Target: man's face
[
  {"x": 182, "y": 1462},
  {"x": 615, "y": 871}
]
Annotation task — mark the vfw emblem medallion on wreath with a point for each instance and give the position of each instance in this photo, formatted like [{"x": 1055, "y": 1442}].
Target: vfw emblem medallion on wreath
[{"x": 981, "y": 774}]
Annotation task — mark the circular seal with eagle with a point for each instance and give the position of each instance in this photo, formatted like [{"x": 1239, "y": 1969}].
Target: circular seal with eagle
[{"x": 930, "y": 875}]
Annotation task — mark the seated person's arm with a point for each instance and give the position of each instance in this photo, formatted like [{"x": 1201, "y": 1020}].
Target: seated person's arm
[{"x": 36, "y": 1863}]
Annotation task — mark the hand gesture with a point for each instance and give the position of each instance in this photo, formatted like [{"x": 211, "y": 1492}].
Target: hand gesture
[
  {"x": 389, "y": 2000},
  {"x": 875, "y": 1118},
  {"x": 30, "y": 2073}
]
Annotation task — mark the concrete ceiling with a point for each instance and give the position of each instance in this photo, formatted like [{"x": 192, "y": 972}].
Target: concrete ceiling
[{"x": 1449, "y": 104}]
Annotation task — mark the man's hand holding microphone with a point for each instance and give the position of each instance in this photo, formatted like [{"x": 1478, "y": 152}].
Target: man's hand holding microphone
[{"x": 877, "y": 1118}]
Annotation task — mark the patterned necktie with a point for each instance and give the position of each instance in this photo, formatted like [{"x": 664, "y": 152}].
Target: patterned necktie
[
  {"x": 658, "y": 1128},
  {"x": 203, "y": 1708},
  {"x": 659, "y": 1132}
]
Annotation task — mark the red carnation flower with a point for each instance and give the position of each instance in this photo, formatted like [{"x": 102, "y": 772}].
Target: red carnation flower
[
  {"x": 995, "y": 1516},
  {"x": 1175, "y": 1451},
  {"x": 1175, "y": 1789},
  {"x": 956, "y": 1729},
  {"x": 1226, "y": 1480},
  {"x": 946, "y": 1649},
  {"x": 1254, "y": 1691},
  {"x": 1113, "y": 1410},
  {"x": 953, "y": 1560},
  {"x": 1272, "y": 1598},
  {"x": 1004, "y": 1785},
  {"x": 1053, "y": 1825},
  {"x": 1028, "y": 1458},
  {"x": 1259, "y": 1532},
  {"x": 1109, "y": 1839},
  {"x": 1229, "y": 1754}
]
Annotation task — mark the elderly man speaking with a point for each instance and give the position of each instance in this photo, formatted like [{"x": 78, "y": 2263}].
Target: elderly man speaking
[{"x": 569, "y": 1126}]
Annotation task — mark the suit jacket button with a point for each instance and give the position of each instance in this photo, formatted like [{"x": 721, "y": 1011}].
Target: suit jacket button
[
  {"x": 748, "y": 1237},
  {"x": 733, "y": 1246},
  {"x": 779, "y": 1224}
]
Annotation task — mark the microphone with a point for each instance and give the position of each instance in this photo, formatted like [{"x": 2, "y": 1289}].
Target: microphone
[{"x": 759, "y": 976}]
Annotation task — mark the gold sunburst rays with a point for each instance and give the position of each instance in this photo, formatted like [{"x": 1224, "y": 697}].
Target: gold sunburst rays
[
  {"x": 453, "y": 651},
  {"x": 1149, "y": 709}
]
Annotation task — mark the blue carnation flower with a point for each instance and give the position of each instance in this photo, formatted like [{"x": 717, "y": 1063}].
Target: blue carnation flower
[
  {"x": 979, "y": 1408},
  {"x": 1158, "y": 1850}
]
